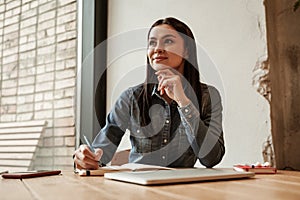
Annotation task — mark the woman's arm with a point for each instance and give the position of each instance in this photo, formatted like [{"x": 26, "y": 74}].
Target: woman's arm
[
  {"x": 109, "y": 137},
  {"x": 205, "y": 134}
]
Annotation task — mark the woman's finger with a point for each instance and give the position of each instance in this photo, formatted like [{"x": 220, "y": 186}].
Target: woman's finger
[
  {"x": 99, "y": 153},
  {"x": 85, "y": 159},
  {"x": 161, "y": 79},
  {"x": 86, "y": 151},
  {"x": 85, "y": 162}
]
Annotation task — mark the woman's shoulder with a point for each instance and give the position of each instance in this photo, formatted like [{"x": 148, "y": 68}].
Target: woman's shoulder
[
  {"x": 209, "y": 91},
  {"x": 207, "y": 88}
]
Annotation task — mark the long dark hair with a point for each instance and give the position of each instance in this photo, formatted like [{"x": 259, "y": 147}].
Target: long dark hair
[{"x": 191, "y": 69}]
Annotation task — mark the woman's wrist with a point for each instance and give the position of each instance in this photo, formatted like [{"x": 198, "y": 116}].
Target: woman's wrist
[{"x": 182, "y": 102}]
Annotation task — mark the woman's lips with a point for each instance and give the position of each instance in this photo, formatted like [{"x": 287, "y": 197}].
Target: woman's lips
[{"x": 160, "y": 58}]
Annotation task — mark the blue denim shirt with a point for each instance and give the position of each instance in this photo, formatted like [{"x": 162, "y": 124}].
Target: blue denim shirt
[{"x": 176, "y": 136}]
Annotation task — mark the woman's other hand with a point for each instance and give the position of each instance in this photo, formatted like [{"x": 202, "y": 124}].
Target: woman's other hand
[{"x": 170, "y": 83}]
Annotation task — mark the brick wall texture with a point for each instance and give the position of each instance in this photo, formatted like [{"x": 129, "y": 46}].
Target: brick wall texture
[{"x": 38, "y": 72}]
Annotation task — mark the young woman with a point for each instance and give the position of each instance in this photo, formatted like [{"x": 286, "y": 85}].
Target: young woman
[{"x": 173, "y": 118}]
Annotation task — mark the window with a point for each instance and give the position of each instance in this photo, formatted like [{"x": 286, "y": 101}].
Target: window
[{"x": 91, "y": 73}]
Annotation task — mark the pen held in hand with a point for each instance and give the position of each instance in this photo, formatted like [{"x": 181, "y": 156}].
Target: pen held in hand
[
  {"x": 89, "y": 144},
  {"x": 92, "y": 149}
]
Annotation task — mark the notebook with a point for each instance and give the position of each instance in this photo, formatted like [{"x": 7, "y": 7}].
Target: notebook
[
  {"x": 177, "y": 176},
  {"x": 116, "y": 168}
]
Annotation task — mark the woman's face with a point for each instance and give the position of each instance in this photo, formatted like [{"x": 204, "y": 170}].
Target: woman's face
[{"x": 166, "y": 48}]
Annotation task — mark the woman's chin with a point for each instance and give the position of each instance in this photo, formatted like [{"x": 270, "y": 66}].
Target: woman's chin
[{"x": 159, "y": 66}]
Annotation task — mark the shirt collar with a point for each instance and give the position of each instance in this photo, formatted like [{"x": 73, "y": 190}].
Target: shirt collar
[{"x": 154, "y": 91}]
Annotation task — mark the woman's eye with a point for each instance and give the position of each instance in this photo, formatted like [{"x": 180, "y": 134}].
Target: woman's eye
[
  {"x": 152, "y": 43},
  {"x": 168, "y": 41}
]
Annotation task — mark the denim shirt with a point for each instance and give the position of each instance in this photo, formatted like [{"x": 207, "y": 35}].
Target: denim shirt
[{"x": 176, "y": 136}]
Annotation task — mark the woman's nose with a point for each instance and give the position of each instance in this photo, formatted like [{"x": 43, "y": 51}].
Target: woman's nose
[{"x": 159, "y": 48}]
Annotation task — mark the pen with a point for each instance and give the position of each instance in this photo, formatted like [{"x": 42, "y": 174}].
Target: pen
[
  {"x": 92, "y": 149},
  {"x": 88, "y": 143},
  {"x": 3, "y": 172}
]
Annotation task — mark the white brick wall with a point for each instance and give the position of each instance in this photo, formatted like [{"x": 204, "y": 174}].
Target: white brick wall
[{"x": 38, "y": 72}]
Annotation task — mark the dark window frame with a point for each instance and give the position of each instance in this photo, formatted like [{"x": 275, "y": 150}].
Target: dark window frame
[{"x": 93, "y": 76}]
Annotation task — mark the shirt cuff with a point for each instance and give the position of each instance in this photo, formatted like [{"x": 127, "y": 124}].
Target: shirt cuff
[{"x": 189, "y": 112}]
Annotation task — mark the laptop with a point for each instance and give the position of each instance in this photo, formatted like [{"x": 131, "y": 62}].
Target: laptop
[{"x": 157, "y": 177}]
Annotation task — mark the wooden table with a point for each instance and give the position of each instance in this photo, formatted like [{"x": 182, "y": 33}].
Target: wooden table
[{"x": 285, "y": 185}]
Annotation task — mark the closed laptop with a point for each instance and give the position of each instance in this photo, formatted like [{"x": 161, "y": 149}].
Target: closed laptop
[{"x": 177, "y": 175}]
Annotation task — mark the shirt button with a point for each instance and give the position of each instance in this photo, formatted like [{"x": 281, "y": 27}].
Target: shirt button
[
  {"x": 165, "y": 140},
  {"x": 190, "y": 116},
  {"x": 163, "y": 157},
  {"x": 138, "y": 131},
  {"x": 186, "y": 110},
  {"x": 167, "y": 121}
]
